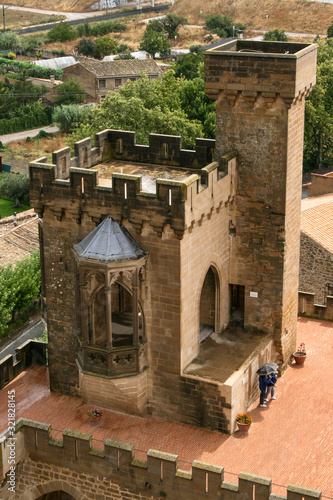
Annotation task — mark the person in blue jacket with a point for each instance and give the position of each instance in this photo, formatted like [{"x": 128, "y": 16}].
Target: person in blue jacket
[
  {"x": 263, "y": 384},
  {"x": 271, "y": 387}
]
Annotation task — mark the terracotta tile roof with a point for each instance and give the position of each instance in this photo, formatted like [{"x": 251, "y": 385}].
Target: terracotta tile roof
[
  {"x": 317, "y": 220},
  {"x": 290, "y": 441},
  {"x": 128, "y": 67},
  {"x": 18, "y": 241}
]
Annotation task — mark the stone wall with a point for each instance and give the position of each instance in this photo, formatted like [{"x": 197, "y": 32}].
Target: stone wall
[
  {"x": 320, "y": 184},
  {"x": 307, "y": 307},
  {"x": 316, "y": 269},
  {"x": 176, "y": 226},
  {"x": 85, "y": 77},
  {"x": 260, "y": 96},
  {"x": 72, "y": 465},
  {"x": 31, "y": 351}
]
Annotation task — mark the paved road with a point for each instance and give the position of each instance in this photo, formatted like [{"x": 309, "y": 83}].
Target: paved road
[
  {"x": 17, "y": 136},
  {"x": 30, "y": 333}
]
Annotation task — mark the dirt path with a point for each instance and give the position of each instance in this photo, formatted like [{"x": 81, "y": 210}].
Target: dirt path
[{"x": 17, "y": 136}]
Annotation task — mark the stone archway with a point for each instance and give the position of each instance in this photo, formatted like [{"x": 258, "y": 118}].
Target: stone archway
[
  {"x": 56, "y": 495},
  {"x": 49, "y": 491},
  {"x": 209, "y": 304}
]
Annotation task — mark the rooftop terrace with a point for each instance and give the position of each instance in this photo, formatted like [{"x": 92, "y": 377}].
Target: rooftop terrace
[
  {"x": 148, "y": 173},
  {"x": 290, "y": 441}
]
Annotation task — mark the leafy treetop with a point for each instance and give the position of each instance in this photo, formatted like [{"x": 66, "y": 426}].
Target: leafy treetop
[
  {"x": 223, "y": 26},
  {"x": 276, "y": 35}
]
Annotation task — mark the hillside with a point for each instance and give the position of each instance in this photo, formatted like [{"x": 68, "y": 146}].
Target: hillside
[{"x": 301, "y": 16}]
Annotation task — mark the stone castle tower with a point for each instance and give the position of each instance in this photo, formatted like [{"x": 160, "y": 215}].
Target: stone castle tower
[
  {"x": 148, "y": 250},
  {"x": 260, "y": 88}
]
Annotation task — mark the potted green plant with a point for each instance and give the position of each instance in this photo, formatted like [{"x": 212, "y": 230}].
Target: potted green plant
[
  {"x": 244, "y": 421},
  {"x": 94, "y": 416},
  {"x": 300, "y": 354}
]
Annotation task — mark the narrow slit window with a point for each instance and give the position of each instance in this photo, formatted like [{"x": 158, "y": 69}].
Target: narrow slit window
[
  {"x": 82, "y": 185},
  {"x": 119, "y": 146},
  {"x": 125, "y": 191},
  {"x": 63, "y": 164},
  {"x": 161, "y": 471},
  {"x": 170, "y": 197},
  {"x": 85, "y": 155},
  {"x": 206, "y": 482},
  {"x": 165, "y": 150}
]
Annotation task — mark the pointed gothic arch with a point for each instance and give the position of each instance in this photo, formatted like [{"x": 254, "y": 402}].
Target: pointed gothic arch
[{"x": 209, "y": 310}]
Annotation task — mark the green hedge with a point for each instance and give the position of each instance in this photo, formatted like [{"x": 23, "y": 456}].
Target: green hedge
[
  {"x": 28, "y": 117},
  {"x": 7, "y": 66}
]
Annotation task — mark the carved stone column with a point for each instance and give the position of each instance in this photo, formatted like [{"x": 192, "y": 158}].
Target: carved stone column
[
  {"x": 84, "y": 314},
  {"x": 135, "y": 307},
  {"x": 108, "y": 317}
]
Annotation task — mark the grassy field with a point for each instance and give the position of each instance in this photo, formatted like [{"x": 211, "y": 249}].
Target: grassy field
[
  {"x": 20, "y": 153},
  {"x": 302, "y": 16},
  {"x": 7, "y": 208},
  {"x": 15, "y": 19}
]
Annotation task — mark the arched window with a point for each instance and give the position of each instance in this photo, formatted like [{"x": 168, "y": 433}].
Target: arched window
[{"x": 208, "y": 304}]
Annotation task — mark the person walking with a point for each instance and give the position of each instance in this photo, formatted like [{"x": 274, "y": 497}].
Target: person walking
[
  {"x": 271, "y": 387},
  {"x": 263, "y": 384}
]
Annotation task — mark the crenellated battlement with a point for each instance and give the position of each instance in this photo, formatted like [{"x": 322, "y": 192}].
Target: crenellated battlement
[
  {"x": 117, "y": 462},
  {"x": 308, "y": 308},
  {"x": 121, "y": 145},
  {"x": 69, "y": 185}
]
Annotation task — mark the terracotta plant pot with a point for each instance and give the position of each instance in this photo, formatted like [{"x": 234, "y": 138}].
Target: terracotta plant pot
[
  {"x": 299, "y": 358},
  {"x": 94, "y": 420},
  {"x": 243, "y": 427}
]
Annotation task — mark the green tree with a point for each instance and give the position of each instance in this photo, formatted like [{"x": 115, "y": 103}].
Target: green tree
[
  {"x": 61, "y": 32},
  {"x": 70, "y": 117},
  {"x": 105, "y": 46},
  {"x": 86, "y": 47},
  {"x": 223, "y": 26},
  {"x": 19, "y": 286},
  {"x": 155, "y": 25},
  {"x": 198, "y": 106},
  {"x": 15, "y": 187},
  {"x": 153, "y": 42},
  {"x": 70, "y": 92},
  {"x": 276, "y": 35},
  {"x": 330, "y": 31},
  {"x": 9, "y": 41},
  {"x": 188, "y": 65},
  {"x": 171, "y": 22},
  {"x": 318, "y": 135},
  {"x": 144, "y": 107}
]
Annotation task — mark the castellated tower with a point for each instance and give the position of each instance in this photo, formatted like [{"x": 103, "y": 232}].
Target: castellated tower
[
  {"x": 170, "y": 275},
  {"x": 260, "y": 88}
]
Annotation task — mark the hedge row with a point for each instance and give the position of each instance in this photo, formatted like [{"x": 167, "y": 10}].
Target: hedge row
[
  {"x": 28, "y": 117},
  {"x": 7, "y": 66}
]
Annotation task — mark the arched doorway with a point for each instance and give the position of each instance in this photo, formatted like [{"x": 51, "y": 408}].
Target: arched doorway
[
  {"x": 56, "y": 495},
  {"x": 208, "y": 305}
]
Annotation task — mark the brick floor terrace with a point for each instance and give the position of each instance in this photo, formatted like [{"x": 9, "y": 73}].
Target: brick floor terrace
[{"x": 290, "y": 441}]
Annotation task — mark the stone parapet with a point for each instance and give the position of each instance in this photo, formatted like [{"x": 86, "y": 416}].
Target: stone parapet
[
  {"x": 308, "y": 308},
  {"x": 31, "y": 351},
  {"x": 266, "y": 69},
  {"x": 115, "y": 465}
]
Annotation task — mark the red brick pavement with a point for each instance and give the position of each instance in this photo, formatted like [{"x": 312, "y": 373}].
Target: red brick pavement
[{"x": 290, "y": 441}]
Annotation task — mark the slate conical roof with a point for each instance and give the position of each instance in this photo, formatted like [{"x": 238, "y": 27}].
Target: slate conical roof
[{"x": 109, "y": 242}]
